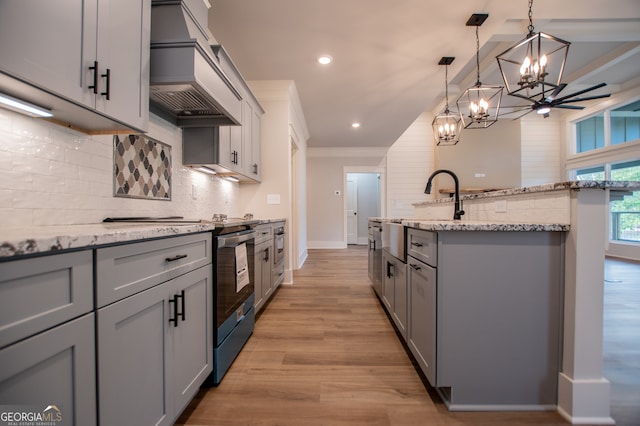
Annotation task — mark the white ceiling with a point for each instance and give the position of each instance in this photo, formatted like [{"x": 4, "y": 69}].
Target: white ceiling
[{"x": 385, "y": 71}]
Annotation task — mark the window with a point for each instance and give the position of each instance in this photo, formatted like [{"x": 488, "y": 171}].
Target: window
[
  {"x": 607, "y": 147},
  {"x": 625, "y": 123},
  {"x": 592, "y": 173},
  {"x": 590, "y": 134},
  {"x": 625, "y": 206}
]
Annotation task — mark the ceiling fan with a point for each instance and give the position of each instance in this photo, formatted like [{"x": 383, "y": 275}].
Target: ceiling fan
[{"x": 544, "y": 104}]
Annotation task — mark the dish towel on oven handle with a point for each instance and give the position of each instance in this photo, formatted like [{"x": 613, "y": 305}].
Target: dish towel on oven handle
[{"x": 242, "y": 271}]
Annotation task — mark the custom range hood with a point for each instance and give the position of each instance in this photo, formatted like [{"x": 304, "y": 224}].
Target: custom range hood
[{"x": 187, "y": 85}]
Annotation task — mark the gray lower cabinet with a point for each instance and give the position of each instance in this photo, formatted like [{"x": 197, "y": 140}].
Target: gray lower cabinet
[
  {"x": 55, "y": 367},
  {"x": 47, "y": 335},
  {"x": 155, "y": 341},
  {"x": 485, "y": 324},
  {"x": 263, "y": 259},
  {"x": 394, "y": 290},
  {"x": 155, "y": 350},
  {"x": 421, "y": 332}
]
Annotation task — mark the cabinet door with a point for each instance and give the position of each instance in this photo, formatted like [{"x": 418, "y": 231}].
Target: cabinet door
[
  {"x": 56, "y": 367},
  {"x": 193, "y": 334},
  {"x": 134, "y": 355},
  {"x": 399, "y": 314},
  {"x": 257, "y": 276},
  {"x": 230, "y": 148},
  {"x": 388, "y": 278},
  {"x": 267, "y": 279},
  {"x": 422, "y": 313},
  {"x": 50, "y": 44},
  {"x": 251, "y": 139},
  {"x": 123, "y": 49},
  {"x": 256, "y": 145},
  {"x": 263, "y": 279}
]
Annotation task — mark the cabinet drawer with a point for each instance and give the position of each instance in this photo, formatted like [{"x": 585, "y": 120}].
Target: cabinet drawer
[
  {"x": 278, "y": 274},
  {"x": 264, "y": 233},
  {"x": 130, "y": 268},
  {"x": 423, "y": 245},
  {"x": 39, "y": 293}
]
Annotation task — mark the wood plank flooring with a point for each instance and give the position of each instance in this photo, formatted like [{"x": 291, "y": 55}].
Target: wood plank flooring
[
  {"x": 621, "y": 339},
  {"x": 324, "y": 353}
]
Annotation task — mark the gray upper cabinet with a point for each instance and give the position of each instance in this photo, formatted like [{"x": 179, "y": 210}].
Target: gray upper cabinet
[
  {"x": 87, "y": 60},
  {"x": 251, "y": 118},
  {"x": 228, "y": 150},
  {"x": 231, "y": 149}
]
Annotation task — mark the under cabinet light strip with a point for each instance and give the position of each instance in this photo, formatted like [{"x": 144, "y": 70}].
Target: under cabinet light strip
[{"x": 23, "y": 107}]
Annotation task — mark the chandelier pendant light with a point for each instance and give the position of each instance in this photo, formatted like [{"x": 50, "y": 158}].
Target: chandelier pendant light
[
  {"x": 479, "y": 105},
  {"x": 532, "y": 68},
  {"x": 447, "y": 124}
]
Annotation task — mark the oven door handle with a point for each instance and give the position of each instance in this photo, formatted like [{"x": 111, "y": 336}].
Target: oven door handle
[{"x": 235, "y": 239}]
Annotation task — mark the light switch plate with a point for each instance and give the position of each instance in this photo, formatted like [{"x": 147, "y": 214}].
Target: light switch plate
[
  {"x": 500, "y": 206},
  {"x": 273, "y": 198}
]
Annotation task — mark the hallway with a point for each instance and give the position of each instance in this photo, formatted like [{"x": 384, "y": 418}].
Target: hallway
[{"x": 324, "y": 353}]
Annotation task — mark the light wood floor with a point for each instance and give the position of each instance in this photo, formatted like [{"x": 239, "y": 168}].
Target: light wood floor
[
  {"x": 324, "y": 353},
  {"x": 621, "y": 339}
]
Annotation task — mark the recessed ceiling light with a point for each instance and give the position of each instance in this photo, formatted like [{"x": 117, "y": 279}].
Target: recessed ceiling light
[
  {"x": 355, "y": 125},
  {"x": 325, "y": 59}
]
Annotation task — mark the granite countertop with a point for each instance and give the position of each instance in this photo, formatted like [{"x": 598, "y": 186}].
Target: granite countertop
[
  {"x": 44, "y": 239},
  {"x": 557, "y": 186},
  {"x": 474, "y": 225}
]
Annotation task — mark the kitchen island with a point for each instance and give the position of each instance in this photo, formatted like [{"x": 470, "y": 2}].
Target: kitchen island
[
  {"x": 582, "y": 206},
  {"x": 479, "y": 305}
]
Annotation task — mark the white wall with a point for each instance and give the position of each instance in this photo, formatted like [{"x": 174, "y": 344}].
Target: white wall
[
  {"x": 326, "y": 168},
  {"x": 494, "y": 152},
  {"x": 283, "y": 157},
  {"x": 51, "y": 175}
]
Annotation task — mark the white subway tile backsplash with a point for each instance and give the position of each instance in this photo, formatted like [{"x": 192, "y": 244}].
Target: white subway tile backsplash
[
  {"x": 31, "y": 200},
  {"x": 52, "y": 175},
  {"x": 16, "y": 181}
]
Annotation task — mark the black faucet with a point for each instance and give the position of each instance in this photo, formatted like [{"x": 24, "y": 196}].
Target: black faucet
[{"x": 457, "y": 212}]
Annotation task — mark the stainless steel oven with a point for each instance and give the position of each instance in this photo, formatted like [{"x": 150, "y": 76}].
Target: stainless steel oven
[
  {"x": 233, "y": 291},
  {"x": 278, "y": 244}
]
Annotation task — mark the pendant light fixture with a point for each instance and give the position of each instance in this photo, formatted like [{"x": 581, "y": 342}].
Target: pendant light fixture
[
  {"x": 447, "y": 124},
  {"x": 532, "y": 68},
  {"x": 479, "y": 105}
]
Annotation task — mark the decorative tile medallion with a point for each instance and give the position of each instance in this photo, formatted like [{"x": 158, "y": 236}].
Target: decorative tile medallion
[{"x": 142, "y": 168}]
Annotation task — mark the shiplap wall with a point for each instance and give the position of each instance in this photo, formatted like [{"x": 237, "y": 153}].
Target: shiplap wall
[
  {"x": 541, "y": 143},
  {"x": 410, "y": 161}
]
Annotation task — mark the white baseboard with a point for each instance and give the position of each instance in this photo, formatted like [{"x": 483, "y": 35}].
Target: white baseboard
[
  {"x": 326, "y": 244},
  {"x": 302, "y": 258}
]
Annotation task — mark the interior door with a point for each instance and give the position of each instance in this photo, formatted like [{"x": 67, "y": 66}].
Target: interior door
[{"x": 352, "y": 213}]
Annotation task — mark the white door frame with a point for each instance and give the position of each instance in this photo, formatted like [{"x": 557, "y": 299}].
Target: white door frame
[{"x": 383, "y": 192}]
